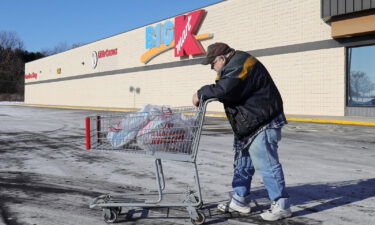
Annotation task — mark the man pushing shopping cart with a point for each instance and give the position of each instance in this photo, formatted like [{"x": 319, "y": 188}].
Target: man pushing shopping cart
[{"x": 254, "y": 108}]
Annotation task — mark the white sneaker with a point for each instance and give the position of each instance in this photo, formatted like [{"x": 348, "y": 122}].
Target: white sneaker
[
  {"x": 233, "y": 207},
  {"x": 277, "y": 212}
]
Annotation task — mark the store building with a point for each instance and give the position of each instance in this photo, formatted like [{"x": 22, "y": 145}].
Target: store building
[{"x": 319, "y": 53}]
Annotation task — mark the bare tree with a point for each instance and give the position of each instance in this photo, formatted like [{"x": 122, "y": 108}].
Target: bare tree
[
  {"x": 61, "y": 47},
  {"x": 10, "y": 39},
  {"x": 360, "y": 83},
  {"x": 78, "y": 44},
  {"x": 11, "y": 66},
  {"x": 11, "y": 72},
  {"x": 12, "y": 63}
]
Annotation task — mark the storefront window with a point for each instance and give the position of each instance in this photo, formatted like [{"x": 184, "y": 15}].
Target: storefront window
[{"x": 361, "y": 79}]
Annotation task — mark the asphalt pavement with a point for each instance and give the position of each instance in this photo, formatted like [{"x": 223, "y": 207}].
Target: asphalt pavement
[{"x": 47, "y": 177}]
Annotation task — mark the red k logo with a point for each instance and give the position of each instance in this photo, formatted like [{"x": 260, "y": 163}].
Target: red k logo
[{"x": 185, "y": 28}]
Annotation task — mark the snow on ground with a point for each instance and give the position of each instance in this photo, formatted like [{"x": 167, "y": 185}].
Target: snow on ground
[
  {"x": 47, "y": 176},
  {"x": 10, "y": 103}
]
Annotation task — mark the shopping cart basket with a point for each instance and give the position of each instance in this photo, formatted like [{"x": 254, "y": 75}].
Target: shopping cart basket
[{"x": 168, "y": 134}]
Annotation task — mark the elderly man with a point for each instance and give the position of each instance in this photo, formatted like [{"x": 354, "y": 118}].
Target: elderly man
[{"x": 254, "y": 108}]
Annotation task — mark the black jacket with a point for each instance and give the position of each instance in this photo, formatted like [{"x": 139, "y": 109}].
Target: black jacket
[{"x": 250, "y": 97}]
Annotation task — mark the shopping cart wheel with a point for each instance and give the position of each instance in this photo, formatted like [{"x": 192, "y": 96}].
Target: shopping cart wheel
[
  {"x": 200, "y": 220},
  {"x": 118, "y": 210},
  {"x": 110, "y": 215},
  {"x": 200, "y": 204}
]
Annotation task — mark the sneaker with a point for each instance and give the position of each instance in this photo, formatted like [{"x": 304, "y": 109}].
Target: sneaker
[
  {"x": 233, "y": 207},
  {"x": 277, "y": 211}
]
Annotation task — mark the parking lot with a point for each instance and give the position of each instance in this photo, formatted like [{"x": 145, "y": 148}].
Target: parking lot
[{"x": 47, "y": 177}]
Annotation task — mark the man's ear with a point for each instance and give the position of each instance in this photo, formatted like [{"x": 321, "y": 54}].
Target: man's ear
[{"x": 224, "y": 58}]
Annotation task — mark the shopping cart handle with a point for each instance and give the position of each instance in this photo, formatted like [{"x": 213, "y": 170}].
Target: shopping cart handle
[
  {"x": 204, "y": 104},
  {"x": 212, "y": 100}
]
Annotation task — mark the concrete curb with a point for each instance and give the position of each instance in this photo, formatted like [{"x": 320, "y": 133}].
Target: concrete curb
[{"x": 346, "y": 122}]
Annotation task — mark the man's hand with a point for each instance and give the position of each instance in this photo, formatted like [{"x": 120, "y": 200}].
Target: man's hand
[{"x": 195, "y": 99}]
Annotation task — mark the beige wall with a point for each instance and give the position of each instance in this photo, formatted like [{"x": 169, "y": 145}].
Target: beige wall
[{"x": 311, "y": 82}]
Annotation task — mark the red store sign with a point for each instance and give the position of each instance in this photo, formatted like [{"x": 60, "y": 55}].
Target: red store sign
[
  {"x": 95, "y": 56},
  {"x": 184, "y": 30},
  {"x": 106, "y": 53},
  {"x": 31, "y": 75}
]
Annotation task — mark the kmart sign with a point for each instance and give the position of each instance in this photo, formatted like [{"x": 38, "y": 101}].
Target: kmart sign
[{"x": 181, "y": 36}]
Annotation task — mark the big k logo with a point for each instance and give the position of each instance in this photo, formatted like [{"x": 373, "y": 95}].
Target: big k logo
[
  {"x": 185, "y": 29},
  {"x": 181, "y": 36}
]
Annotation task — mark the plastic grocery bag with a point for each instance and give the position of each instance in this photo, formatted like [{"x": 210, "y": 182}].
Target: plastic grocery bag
[
  {"x": 167, "y": 133},
  {"x": 124, "y": 131}
]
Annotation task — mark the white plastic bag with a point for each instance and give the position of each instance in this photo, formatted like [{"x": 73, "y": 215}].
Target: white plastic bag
[
  {"x": 167, "y": 133},
  {"x": 125, "y": 130}
]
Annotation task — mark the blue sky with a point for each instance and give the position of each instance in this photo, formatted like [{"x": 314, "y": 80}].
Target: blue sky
[{"x": 44, "y": 24}]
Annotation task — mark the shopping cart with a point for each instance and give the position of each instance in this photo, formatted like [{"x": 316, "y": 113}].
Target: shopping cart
[{"x": 159, "y": 136}]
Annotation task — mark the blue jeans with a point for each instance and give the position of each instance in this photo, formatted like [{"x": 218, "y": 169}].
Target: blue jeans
[{"x": 258, "y": 154}]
